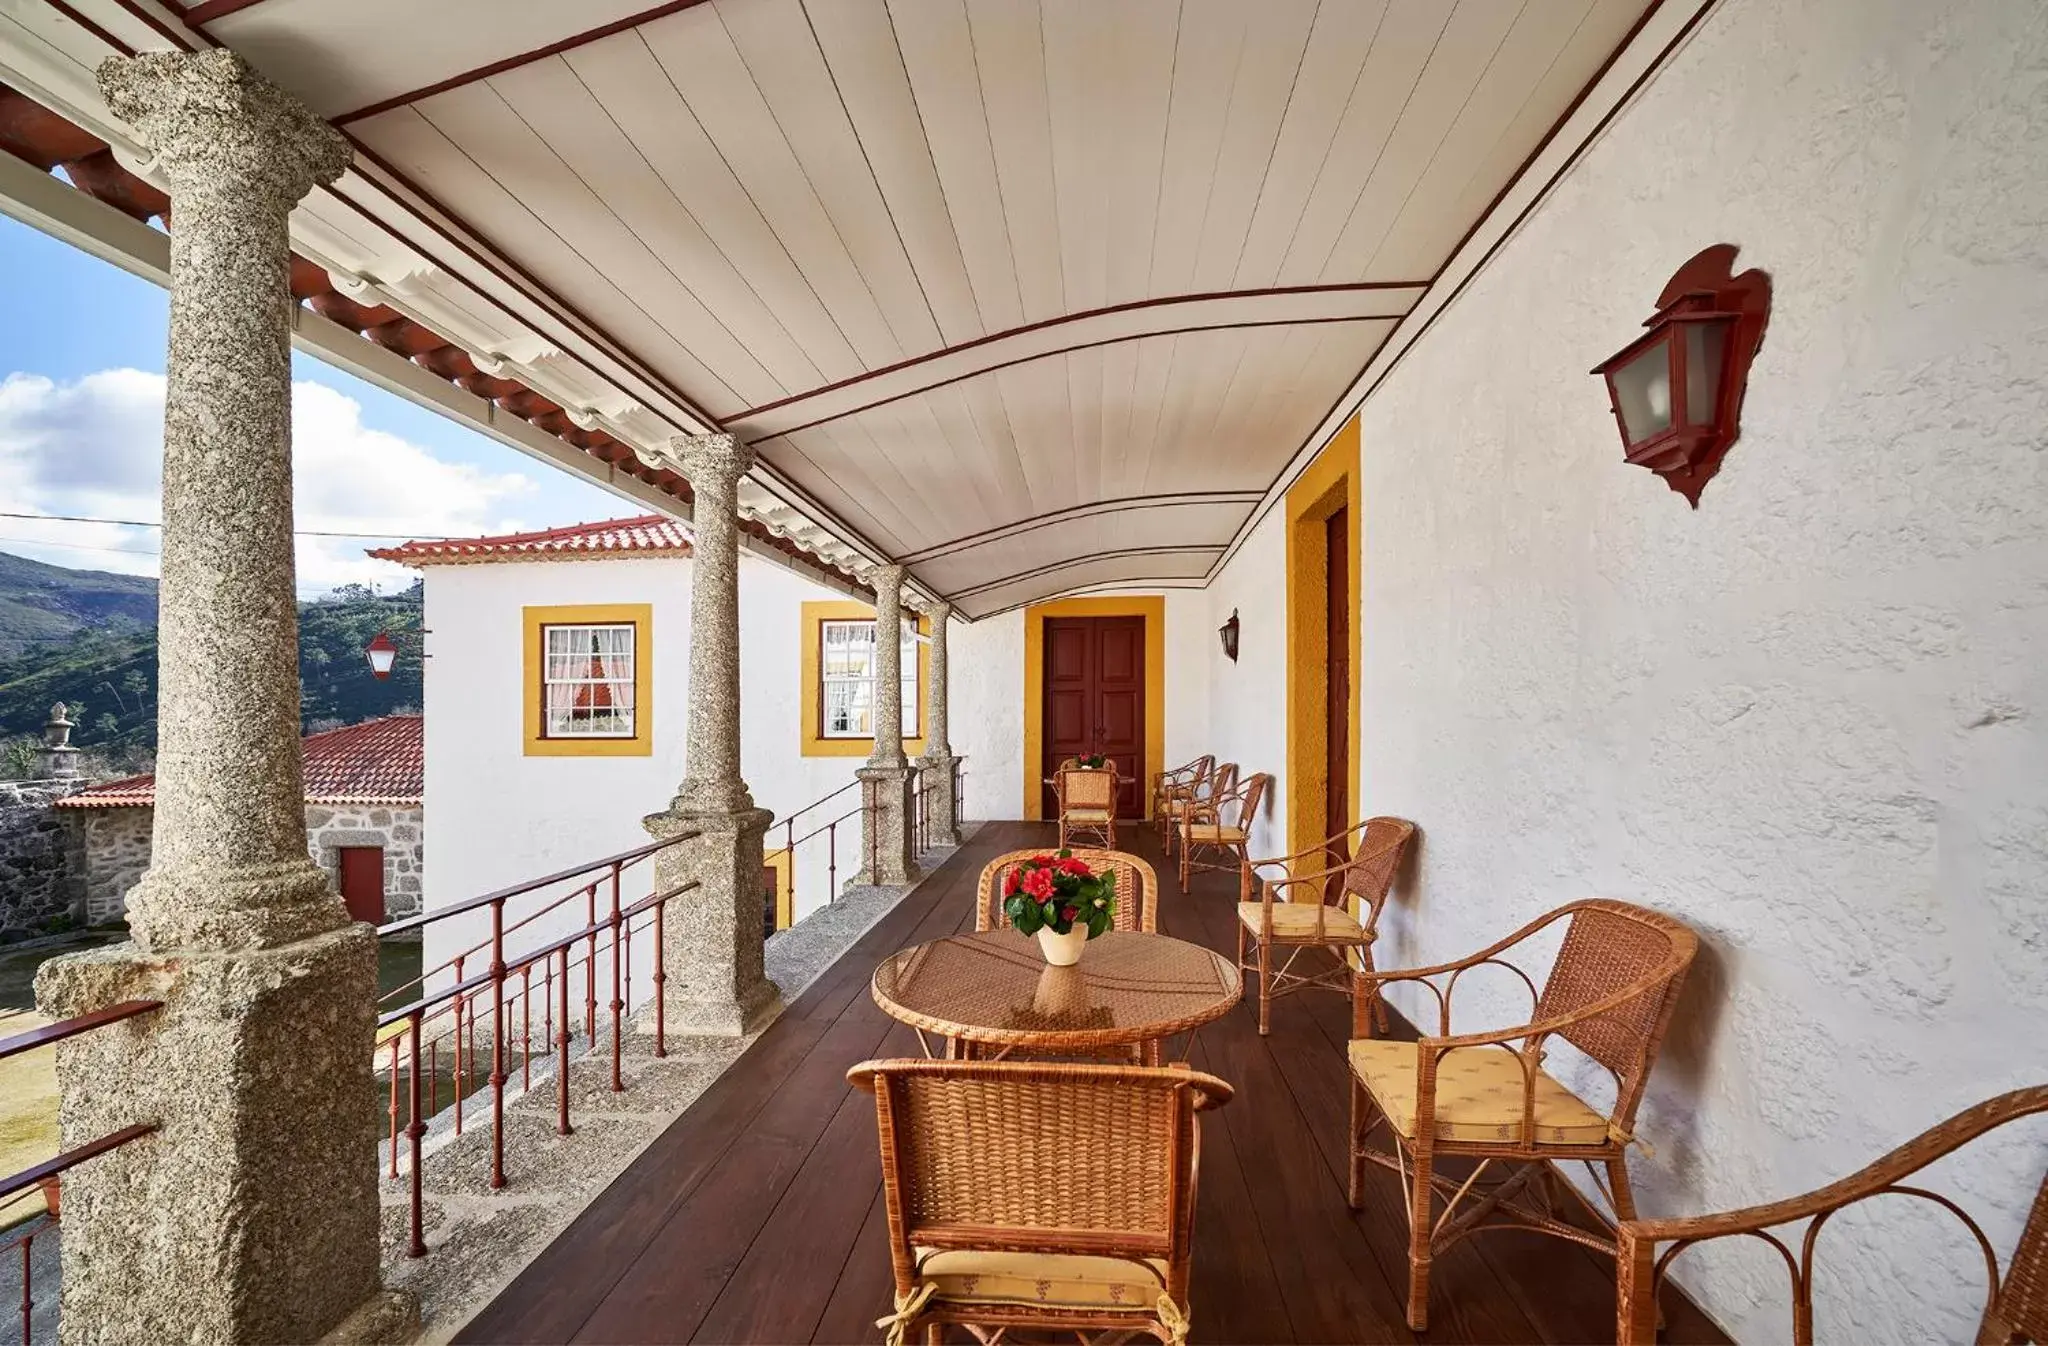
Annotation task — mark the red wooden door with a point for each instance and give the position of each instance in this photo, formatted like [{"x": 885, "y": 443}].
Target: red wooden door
[
  {"x": 1095, "y": 701},
  {"x": 362, "y": 882}
]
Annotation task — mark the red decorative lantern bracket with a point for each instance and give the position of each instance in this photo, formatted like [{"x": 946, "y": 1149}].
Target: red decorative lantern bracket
[{"x": 1677, "y": 390}]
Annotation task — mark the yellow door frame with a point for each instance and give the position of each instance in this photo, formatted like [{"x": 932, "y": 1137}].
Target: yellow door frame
[
  {"x": 1151, "y": 607},
  {"x": 1329, "y": 484}
]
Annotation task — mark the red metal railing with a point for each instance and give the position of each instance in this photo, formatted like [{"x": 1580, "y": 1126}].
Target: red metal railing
[
  {"x": 49, "y": 1174},
  {"x": 828, "y": 829},
  {"x": 507, "y": 987}
]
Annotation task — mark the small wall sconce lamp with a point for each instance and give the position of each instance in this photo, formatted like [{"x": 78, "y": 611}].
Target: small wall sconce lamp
[
  {"x": 1677, "y": 390},
  {"x": 1228, "y": 633}
]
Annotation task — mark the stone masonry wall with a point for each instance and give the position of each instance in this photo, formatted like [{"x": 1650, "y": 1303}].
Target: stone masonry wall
[
  {"x": 398, "y": 830},
  {"x": 113, "y": 848},
  {"x": 114, "y": 844},
  {"x": 39, "y": 882}
]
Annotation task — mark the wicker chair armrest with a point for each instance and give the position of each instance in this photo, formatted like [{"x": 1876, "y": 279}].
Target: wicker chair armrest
[
  {"x": 1487, "y": 954},
  {"x": 1556, "y": 1023},
  {"x": 1870, "y": 1180}
]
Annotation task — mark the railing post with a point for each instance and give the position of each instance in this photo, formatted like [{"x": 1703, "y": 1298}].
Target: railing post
[
  {"x": 618, "y": 1004},
  {"x": 660, "y": 976},
  {"x": 394, "y": 1107},
  {"x": 562, "y": 1127},
  {"x": 414, "y": 1130},
  {"x": 526, "y": 1026},
  {"x": 590, "y": 973},
  {"x": 457, "y": 1011},
  {"x": 497, "y": 1044}
]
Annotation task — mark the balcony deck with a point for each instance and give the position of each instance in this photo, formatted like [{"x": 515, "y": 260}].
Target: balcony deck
[{"x": 757, "y": 1216}]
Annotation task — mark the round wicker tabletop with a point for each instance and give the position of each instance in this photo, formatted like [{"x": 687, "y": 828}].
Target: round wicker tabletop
[{"x": 994, "y": 987}]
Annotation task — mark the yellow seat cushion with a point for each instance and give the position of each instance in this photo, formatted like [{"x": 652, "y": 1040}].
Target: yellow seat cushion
[
  {"x": 1079, "y": 815},
  {"x": 1297, "y": 920},
  {"x": 1215, "y": 834},
  {"x": 1478, "y": 1095},
  {"x": 1056, "y": 1281},
  {"x": 1175, "y": 807}
]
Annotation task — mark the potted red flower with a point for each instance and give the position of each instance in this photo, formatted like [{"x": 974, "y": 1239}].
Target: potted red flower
[{"x": 1060, "y": 900}]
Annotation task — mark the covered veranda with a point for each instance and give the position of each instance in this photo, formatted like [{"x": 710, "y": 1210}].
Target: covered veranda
[
  {"x": 759, "y": 1217},
  {"x": 1243, "y": 350}
]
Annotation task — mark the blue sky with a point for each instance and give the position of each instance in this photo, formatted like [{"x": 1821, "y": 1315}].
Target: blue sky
[{"x": 79, "y": 436}]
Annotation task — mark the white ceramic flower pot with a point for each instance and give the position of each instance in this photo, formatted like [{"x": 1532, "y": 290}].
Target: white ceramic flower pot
[{"x": 1062, "y": 950}]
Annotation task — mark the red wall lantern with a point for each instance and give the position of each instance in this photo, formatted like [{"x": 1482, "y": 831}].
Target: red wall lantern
[
  {"x": 383, "y": 654},
  {"x": 1677, "y": 390}
]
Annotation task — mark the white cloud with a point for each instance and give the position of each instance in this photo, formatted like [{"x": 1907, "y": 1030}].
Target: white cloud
[{"x": 94, "y": 447}]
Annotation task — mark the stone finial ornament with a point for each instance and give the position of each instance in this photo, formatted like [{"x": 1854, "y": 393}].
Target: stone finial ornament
[
  {"x": 218, "y": 128},
  {"x": 59, "y": 760}
]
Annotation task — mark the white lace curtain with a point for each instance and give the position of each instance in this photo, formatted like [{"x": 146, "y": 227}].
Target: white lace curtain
[{"x": 588, "y": 681}]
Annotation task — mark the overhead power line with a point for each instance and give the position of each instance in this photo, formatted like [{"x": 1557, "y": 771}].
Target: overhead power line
[{"x": 145, "y": 523}]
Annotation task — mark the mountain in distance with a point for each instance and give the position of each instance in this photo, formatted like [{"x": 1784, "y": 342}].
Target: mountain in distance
[
  {"x": 44, "y": 604},
  {"x": 101, "y": 658}
]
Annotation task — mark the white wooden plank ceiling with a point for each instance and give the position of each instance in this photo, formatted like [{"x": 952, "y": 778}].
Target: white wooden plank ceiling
[{"x": 1035, "y": 295}]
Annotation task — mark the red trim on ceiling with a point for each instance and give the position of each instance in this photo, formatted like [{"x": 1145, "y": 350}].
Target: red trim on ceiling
[
  {"x": 1065, "y": 350},
  {"x": 524, "y": 281},
  {"x": 41, "y": 137},
  {"x": 1124, "y": 504},
  {"x": 210, "y": 10},
  {"x": 1202, "y": 297},
  {"x": 102, "y": 34},
  {"x": 1628, "y": 95},
  {"x": 162, "y": 29},
  {"x": 510, "y": 62},
  {"x": 1585, "y": 91}
]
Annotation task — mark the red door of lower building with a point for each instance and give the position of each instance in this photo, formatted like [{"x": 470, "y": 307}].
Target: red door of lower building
[
  {"x": 362, "y": 882},
  {"x": 1095, "y": 701}
]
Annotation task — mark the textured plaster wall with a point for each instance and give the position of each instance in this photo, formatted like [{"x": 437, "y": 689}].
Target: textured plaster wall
[
  {"x": 1812, "y": 718},
  {"x": 987, "y": 681},
  {"x": 1248, "y": 699}
]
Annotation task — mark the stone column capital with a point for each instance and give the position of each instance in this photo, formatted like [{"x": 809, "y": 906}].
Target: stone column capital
[
  {"x": 939, "y": 610},
  {"x": 712, "y": 459},
  {"x": 220, "y": 130}
]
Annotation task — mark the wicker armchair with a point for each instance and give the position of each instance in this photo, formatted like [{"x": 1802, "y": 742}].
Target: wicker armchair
[
  {"x": 1172, "y": 789},
  {"x": 2016, "y": 1308},
  {"x": 1310, "y": 908},
  {"x": 990, "y": 1228},
  {"x": 1610, "y": 993},
  {"x": 1221, "y": 826},
  {"x": 1137, "y": 888},
  {"x": 1087, "y": 801}
]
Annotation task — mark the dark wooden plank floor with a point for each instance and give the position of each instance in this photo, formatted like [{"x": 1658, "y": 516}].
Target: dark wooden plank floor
[{"x": 757, "y": 1217}]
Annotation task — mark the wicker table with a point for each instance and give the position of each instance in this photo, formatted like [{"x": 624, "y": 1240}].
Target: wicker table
[{"x": 991, "y": 993}]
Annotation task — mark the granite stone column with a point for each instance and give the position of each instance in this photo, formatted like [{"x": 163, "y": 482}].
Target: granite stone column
[
  {"x": 714, "y": 982},
  {"x": 251, "y": 1214},
  {"x": 887, "y": 847},
  {"x": 938, "y": 760}
]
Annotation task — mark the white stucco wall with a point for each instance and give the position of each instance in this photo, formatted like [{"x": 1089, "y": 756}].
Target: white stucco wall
[
  {"x": 1811, "y": 719},
  {"x": 987, "y": 724},
  {"x": 499, "y": 817},
  {"x": 1248, "y": 698}
]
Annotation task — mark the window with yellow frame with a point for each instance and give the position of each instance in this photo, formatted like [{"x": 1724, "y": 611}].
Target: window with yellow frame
[
  {"x": 838, "y": 681},
  {"x": 588, "y": 680}
]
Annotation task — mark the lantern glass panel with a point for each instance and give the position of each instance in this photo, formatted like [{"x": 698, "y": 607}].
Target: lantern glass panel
[
  {"x": 1706, "y": 345},
  {"x": 1642, "y": 392}
]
